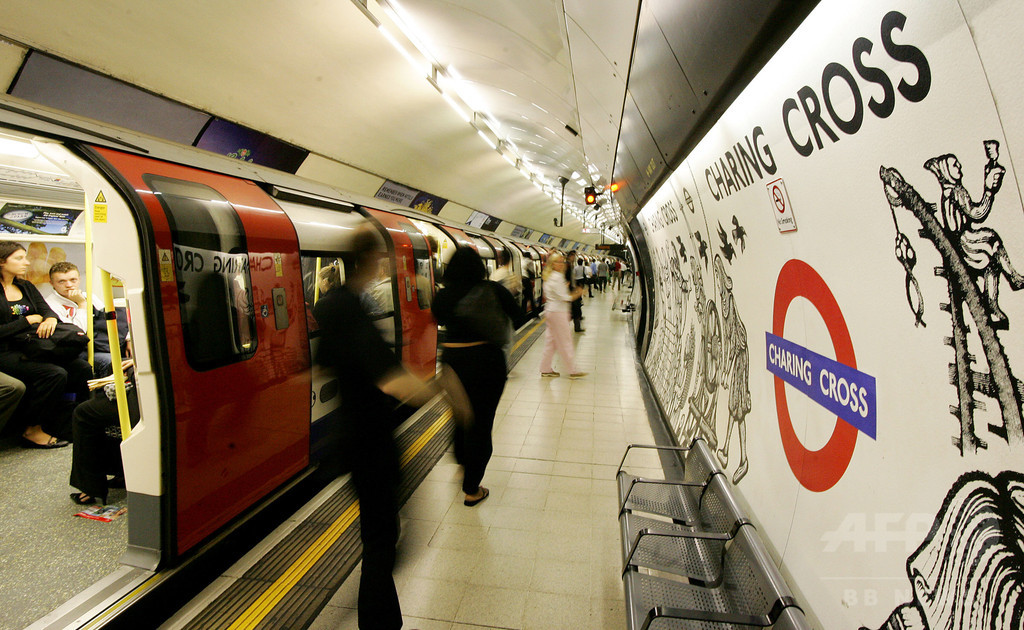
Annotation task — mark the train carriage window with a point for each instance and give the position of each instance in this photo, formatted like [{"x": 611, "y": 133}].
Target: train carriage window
[
  {"x": 376, "y": 299},
  {"x": 211, "y": 262}
]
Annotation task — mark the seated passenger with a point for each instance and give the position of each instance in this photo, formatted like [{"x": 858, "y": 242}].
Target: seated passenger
[
  {"x": 11, "y": 391},
  {"x": 328, "y": 278},
  {"x": 68, "y": 302},
  {"x": 97, "y": 441},
  {"x": 23, "y": 310}
]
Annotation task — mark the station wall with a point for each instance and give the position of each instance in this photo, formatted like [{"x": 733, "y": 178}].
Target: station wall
[{"x": 836, "y": 306}]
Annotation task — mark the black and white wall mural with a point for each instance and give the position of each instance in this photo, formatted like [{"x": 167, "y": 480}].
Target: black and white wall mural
[{"x": 837, "y": 310}]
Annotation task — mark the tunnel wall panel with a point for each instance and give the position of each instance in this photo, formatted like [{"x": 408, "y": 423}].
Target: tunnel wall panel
[{"x": 838, "y": 310}]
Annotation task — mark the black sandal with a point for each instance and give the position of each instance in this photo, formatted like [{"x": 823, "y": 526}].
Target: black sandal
[
  {"x": 472, "y": 502},
  {"x": 82, "y": 498}
]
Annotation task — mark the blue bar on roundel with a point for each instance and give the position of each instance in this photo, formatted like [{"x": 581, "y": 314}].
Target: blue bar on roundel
[{"x": 843, "y": 390}]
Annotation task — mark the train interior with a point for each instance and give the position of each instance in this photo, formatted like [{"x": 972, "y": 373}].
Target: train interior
[{"x": 44, "y": 204}]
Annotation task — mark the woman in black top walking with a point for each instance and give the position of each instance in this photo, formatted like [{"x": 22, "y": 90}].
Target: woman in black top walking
[{"x": 475, "y": 357}]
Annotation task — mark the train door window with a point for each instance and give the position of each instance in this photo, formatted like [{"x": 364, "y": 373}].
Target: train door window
[
  {"x": 441, "y": 247},
  {"x": 314, "y": 268},
  {"x": 211, "y": 261},
  {"x": 421, "y": 260}
]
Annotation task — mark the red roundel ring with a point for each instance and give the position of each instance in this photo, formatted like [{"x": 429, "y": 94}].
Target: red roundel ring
[{"x": 815, "y": 470}]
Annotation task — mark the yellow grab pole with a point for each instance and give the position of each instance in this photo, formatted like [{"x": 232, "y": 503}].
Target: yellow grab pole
[
  {"x": 115, "y": 355},
  {"x": 316, "y": 281},
  {"x": 89, "y": 286}
]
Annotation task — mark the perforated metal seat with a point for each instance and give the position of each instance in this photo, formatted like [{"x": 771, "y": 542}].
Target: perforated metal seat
[
  {"x": 677, "y": 499},
  {"x": 750, "y": 593},
  {"x": 693, "y": 548}
]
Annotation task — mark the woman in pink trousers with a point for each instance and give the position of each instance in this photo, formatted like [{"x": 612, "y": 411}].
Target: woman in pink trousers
[{"x": 558, "y": 336}]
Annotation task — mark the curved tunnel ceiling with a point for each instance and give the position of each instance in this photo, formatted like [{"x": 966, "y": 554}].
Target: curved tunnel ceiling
[{"x": 323, "y": 76}]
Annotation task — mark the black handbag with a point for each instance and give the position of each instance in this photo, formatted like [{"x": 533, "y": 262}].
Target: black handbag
[{"x": 67, "y": 342}]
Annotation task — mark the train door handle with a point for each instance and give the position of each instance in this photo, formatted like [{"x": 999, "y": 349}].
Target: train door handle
[
  {"x": 280, "y": 308},
  {"x": 408, "y": 290}
]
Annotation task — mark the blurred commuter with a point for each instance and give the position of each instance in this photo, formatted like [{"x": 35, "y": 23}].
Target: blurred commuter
[
  {"x": 96, "y": 452},
  {"x": 23, "y": 310},
  {"x": 370, "y": 379},
  {"x": 479, "y": 316},
  {"x": 616, "y": 274},
  {"x": 11, "y": 391},
  {"x": 506, "y": 276},
  {"x": 579, "y": 279},
  {"x": 68, "y": 301},
  {"x": 557, "y": 314},
  {"x": 528, "y": 281},
  {"x": 602, "y": 274}
]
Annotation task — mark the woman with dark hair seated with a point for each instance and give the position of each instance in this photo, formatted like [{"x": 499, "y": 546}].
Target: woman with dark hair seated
[
  {"x": 475, "y": 357},
  {"x": 22, "y": 308}
]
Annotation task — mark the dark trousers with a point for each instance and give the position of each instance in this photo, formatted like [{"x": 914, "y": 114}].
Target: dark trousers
[
  {"x": 370, "y": 448},
  {"x": 483, "y": 374},
  {"x": 576, "y": 310},
  {"x": 45, "y": 384},
  {"x": 95, "y": 454}
]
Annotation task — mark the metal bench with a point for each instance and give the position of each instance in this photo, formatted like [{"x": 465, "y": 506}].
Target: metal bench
[
  {"x": 700, "y": 542},
  {"x": 747, "y": 591},
  {"x": 691, "y": 557},
  {"x": 674, "y": 498}
]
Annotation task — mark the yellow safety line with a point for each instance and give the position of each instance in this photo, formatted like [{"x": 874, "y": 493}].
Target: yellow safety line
[
  {"x": 254, "y": 614},
  {"x": 422, "y": 440},
  {"x": 526, "y": 336}
]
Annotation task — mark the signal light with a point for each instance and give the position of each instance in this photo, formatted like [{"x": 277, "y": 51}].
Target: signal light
[
  {"x": 614, "y": 187},
  {"x": 589, "y": 195}
]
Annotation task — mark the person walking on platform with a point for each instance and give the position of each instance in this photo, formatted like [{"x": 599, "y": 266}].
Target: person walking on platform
[
  {"x": 478, "y": 316},
  {"x": 370, "y": 379},
  {"x": 556, "y": 314},
  {"x": 576, "y": 277},
  {"x": 602, "y": 274}
]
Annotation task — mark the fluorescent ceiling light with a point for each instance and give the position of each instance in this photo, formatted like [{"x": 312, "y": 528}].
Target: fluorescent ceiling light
[
  {"x": 421, "y": 65},
  {"x": 487, "y": 139},
  {"x": 17, "y": 148},
  {"x": 458, "y": 108}
]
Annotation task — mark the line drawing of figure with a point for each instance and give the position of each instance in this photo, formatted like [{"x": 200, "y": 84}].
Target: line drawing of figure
[
  {"x": 967, "y": 574},
  {"x": 703, "y": 401},
  {"x": 682, "y": 363},
  {"x": 735, "y": 369},
  {"x": 981, "y": 247},
  {"x": 973, "y": 259},
  {"x": 653, "y": 357}
]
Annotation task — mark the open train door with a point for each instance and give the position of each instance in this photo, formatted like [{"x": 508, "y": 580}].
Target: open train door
[
  {"x": 236, "y": 349},
  {"x": 415, "y": 286}
]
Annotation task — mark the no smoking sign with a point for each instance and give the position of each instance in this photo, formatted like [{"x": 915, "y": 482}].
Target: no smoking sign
[{"x": 781, "y": 207}]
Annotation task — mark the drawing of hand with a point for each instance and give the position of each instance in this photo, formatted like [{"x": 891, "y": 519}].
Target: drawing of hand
[{"x": 994, "y": 177}]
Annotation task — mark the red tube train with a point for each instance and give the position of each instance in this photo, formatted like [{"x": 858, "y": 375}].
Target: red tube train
[{"x": 216, "y": 261}]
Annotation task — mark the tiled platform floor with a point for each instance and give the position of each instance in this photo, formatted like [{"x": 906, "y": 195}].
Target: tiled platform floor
[{"x": 542, "y": 552}]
